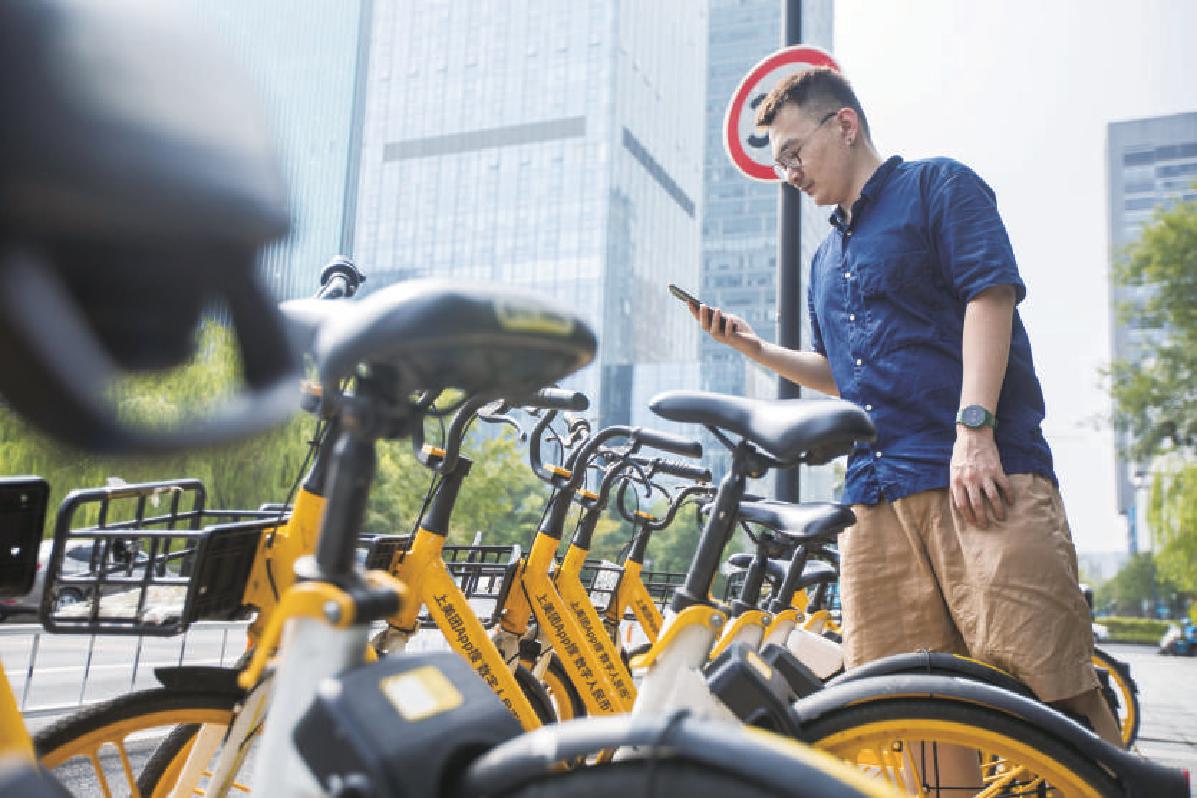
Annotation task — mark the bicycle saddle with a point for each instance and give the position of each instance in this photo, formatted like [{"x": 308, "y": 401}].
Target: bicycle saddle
[
  {"x": 813, "y": 573},
  {"x": 437, "y": 334},
  {"x": 791, "y": 430},
  {"x": 800, "y": 523}
]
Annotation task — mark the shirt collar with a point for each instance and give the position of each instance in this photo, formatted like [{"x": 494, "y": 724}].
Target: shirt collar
[{"x": 870, "y": 189}]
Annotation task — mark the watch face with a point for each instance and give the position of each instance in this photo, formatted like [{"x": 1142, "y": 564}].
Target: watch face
[{"x": 973, "y": 416}]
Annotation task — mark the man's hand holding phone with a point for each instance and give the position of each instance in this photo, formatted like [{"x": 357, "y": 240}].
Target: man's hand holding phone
[{"x": 723, "y": 327}]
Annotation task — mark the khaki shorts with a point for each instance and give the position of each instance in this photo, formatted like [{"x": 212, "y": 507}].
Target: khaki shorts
[{"x": 915, "y": 575}]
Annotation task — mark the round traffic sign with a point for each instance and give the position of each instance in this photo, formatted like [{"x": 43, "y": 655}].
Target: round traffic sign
[{"x": 748, "y": 148}]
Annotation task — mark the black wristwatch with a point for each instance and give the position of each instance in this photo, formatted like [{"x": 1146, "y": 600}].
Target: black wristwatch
[{"x": 975, "y": 417}]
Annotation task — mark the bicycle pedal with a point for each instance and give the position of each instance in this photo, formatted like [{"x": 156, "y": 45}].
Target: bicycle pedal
[{"x": 402, "y": 726}]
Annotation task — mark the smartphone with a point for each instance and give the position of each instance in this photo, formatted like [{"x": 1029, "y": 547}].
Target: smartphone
[{"x": 690, "y": 299}]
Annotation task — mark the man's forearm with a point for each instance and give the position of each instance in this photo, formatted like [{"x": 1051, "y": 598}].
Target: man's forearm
[
  {"x": 809, "y": 369},
  {"x": 986, "y": 347}
]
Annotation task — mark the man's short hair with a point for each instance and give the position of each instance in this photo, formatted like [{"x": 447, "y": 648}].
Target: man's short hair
[{"x": 815, "y": 91}]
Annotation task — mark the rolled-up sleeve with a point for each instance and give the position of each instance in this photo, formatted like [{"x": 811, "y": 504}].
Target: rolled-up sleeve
[{"x": 969, "y": 237}]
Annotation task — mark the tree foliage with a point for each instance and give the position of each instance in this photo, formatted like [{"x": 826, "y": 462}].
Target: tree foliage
[
  {"x": 501, "y": 497},
  {"x": 1155, "y": 396},
  {"x": 243, "y": 475},
  {"x": 1172, "y": 518},
  {"x": 1137, "y": 585}
]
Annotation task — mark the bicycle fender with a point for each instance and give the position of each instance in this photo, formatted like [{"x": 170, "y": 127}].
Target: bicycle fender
[
  {"x": 1139, "y": 777},
  {"x": 777, "y": 763},
  {"x": 201, "y": 677},
  {"x": 935, "y": 663}
]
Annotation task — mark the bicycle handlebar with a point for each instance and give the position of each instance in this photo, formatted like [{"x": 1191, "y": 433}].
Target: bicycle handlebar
[
  {"x": 666, "y": 442},
  {"x": 555, "y": 399},
  {"x": 682, "y": 470}
]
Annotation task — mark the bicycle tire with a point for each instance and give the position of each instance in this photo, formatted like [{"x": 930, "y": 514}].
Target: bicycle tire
[
  {"x": 1128, "y": 712},
  {"x": 567, "y": 701},
  {"x": 97, "y": 732},
  {"x": 536, "y": 694},
  {"x": 870, "y": 733},
  {"x": 662, "y": 779},
  {"x": 171, "y": 753}
]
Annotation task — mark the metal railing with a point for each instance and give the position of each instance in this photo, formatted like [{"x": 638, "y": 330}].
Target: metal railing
[{"x": 93, "y": 668}]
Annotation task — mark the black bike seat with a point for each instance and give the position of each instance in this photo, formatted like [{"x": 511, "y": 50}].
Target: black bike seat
[
  {"x": 817, "y": 572},
  {"x": 801, "y": 523},
  {"x": 812, "y": 431},
  {"x": 438, "y": 334},
  {"x": 775, "y": 570},
  {"x": 814, "y": 572}
]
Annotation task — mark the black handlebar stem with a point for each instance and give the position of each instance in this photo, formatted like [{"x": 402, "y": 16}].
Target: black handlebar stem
[
  {"x": 717, "y": 530},
  {"x": 436, "y": 520}
]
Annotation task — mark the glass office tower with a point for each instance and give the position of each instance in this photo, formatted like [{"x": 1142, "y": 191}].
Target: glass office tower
[
  {"x": 739, "y": 227},
  {"x": 1150, "y": 163},
  {"x": 303, "y": 58},
  {"x": 554, "y": 146}
]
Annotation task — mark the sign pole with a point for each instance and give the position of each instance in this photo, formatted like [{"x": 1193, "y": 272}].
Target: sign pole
[{"x": 789, "y": 266}]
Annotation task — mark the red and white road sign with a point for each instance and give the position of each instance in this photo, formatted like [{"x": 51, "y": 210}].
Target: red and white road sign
[{"x": 748, "y": 149}]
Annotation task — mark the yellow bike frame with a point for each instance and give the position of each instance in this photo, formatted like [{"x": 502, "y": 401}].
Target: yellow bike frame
[
  {"x": 539, "y": 597},
  {"x": 577, "y": 597},
  {"x": 631, "y": 592},
  {"x": 14, "y": 737},
  {"x": 429, "y": 584}
]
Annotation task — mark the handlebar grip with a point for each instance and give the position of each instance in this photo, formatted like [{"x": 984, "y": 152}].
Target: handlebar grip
[
  {"x": 556, "y": 399},
  {"x": 683, "y": 470},
  {"x": 673, "y": 444}
]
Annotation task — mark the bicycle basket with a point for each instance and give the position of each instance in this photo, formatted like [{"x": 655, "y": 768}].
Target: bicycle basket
[
  {"x": 148, "y": 559},
  {"x": 377, "y": 552},
  {"x": 601, "y": 579},
  {"x": 661, "y": 585},
  {"x": 485, "y": 574}
]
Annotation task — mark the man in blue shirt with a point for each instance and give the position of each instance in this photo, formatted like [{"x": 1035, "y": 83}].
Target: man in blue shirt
[{"x": 961, "y": 542}]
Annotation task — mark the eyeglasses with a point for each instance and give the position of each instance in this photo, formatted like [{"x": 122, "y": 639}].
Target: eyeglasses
[{"x": 787, "y": 163}]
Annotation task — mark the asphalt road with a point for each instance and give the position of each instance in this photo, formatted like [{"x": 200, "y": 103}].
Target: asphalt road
[{"x": 1168, "y": 695}]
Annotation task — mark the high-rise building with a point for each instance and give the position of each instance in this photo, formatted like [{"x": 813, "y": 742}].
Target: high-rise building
[
  {"x": 739, "y": 224},
  {"x": 554, "y": 146},
  {"x": 305, "y": 58},
  {"x": 1151, "y": 163}
]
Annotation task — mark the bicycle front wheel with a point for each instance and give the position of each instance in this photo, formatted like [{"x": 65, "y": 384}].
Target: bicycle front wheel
[
  {"x": 102, "y": 748},
  {"x": 912, "y": 744}
]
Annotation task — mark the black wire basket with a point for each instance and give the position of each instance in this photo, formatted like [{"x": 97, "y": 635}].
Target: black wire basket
[
  {"x": 485, "y": 573},
  {"x": 148, "y": 559}
]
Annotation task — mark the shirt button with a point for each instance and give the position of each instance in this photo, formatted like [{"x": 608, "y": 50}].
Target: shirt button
[
  {"x": 869, "y": 407},
  {"x": 859, "y": 362},
  {"x": 847, "y": 275},
  {"x": 877, "y": 454},
  {"x": 851, "y": 317}
]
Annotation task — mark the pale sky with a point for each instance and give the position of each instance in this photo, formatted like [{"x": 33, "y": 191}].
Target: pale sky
[{"x": 1022, "y": 92}]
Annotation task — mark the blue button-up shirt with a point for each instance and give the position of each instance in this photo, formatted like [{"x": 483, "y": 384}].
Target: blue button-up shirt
[{"x": 887, "y": 298}]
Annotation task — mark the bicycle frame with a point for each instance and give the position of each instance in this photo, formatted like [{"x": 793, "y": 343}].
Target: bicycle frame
[{"x": 14, "y": 737}]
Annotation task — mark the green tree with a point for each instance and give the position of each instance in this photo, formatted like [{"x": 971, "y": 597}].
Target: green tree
[
  {"x": 1172, "y": 517},
  {"x": 1156, "y": 396},
  {"x": 243, "y": 475},
  {"x": 1139, "y": 583}
]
